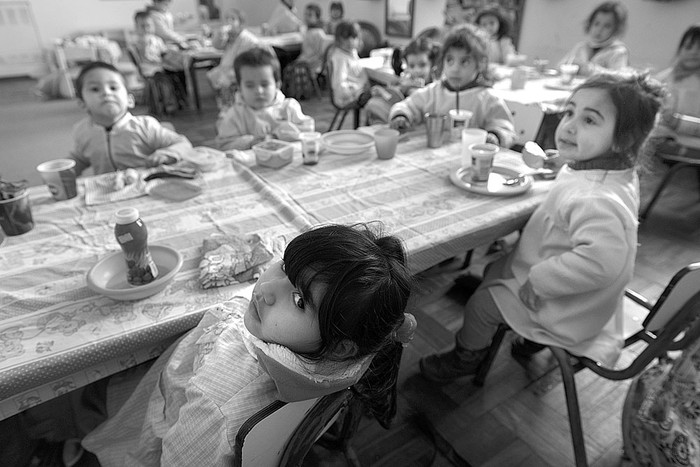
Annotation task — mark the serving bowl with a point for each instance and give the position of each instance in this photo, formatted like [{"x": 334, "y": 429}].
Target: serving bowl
[{"x": 108, "y": 276}]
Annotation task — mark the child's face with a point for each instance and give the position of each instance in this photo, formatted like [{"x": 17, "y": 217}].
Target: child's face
[
  {"x": 459, "y": 67},
  {"x": 587, "y": 129},
  {"x": 602, "y": 27},
  {"x": 279, "y": 314},
  {"x": 418, "y": 66},
  {"x": 105, "y": 96},
  {"x": 336, "y": 14},
  {"x": 311, "y": 18},
  {"x": 490, "y": 24},
  {"x": 258, "y": 86},
  {"x": 145, "y": 26},
  {"x": 689, "y": 54},
  {"x": 350, "y": 43}
]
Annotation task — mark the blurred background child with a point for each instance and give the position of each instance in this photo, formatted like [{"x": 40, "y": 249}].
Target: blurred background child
[
  {"x": 316, "y": 41},
  {"x": 602, "y": 50},
  {"x": 164, "y": 24},
  {"x": 464, "y": 64},
  {"x": 336, "y": 13},
  {"x": 260, "y": 109},
  {"x": 493, "y": 20},
  {"x": 284, "y": 19},
  {"x": 349, "y": 79}
]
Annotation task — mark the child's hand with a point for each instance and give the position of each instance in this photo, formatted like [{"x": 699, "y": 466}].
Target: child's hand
[
  {"x": 529, "y": 297},
  {"x": 492, "y": 138},
  {"x": 400, "y": 123},
  {"x": 157, "y": 159}
]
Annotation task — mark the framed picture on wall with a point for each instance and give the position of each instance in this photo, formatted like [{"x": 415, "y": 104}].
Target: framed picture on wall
[{"x": 399, "y": 18}]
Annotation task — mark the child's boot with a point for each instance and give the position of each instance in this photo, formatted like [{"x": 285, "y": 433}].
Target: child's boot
[
  {"x": 448, "y": 366},
  {"x": 524, "y": 348}
]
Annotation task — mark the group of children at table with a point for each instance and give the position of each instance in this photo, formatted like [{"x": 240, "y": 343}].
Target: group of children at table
[{"x": 561, "y": 285}]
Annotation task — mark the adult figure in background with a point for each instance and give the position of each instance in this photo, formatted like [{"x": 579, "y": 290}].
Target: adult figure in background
[
  {"x": 284, "y": 18},
  {"x": 164, "y": 25},
  {"x": 602, "y": 50}
]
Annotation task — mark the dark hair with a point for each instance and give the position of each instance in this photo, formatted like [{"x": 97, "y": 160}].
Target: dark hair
[
  {"x": 367, "y": 284},
  {"x": 80, "y": 80},
  {"x": 345, "y": 30},
  {"x": 416, "y": 47},
  {"x": 618, "y": 10},
  {"x": 337, "y": 6},
  {"x": 637, "y": 98},
  {"x": 256, "y": 57},
  {"x": 141, "y": 15},
  {"x": 690, "y": 36},
  {"x": 235, "y": 13},
  {"x": 499, "y": 14},
  {"x": 473, "y": 40},
  {"x": 315, "y": 8}
]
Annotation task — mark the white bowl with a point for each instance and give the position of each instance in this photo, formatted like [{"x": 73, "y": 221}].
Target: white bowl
[{"x": 108, "y": 276}]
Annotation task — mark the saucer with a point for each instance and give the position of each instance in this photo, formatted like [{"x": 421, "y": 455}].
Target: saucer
[{"x": 462, "y": 178}]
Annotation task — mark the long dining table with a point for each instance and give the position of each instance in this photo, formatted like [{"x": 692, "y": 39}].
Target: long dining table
[{"x": 57, "y": 335}]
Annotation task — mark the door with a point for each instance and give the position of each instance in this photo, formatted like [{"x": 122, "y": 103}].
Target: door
[{"x": 20, "y": 49}]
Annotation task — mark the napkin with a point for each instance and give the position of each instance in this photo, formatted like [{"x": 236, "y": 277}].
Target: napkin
[{"x": 232, "y": 259}]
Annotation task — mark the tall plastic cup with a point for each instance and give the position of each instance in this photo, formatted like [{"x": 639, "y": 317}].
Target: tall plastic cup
[
  {"x": 471, "y": 136},
  {"x": 459, "y": 120},
  {"x": 59, "y": 176},
  {"x": 435, "y": 125},
  {"x": 482, "y": 161}
]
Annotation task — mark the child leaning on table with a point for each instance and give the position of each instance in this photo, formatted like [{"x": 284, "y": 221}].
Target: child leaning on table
[
  {"x": 110, "y": 138},
  {"x": 349, "y": 79},
  {"x": 564, "y": 282},
  {"x": 316, "y": 321},
  {"x": 464, "y": 64},
  {"x": 260, "y": 109}
]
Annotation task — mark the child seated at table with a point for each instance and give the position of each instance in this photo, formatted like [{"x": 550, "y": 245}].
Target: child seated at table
[
  {"x": 465, "y": 80},
  {"x": 349, "y": 79},
  {"x": 421, "y": 56},
  {"x": 284, "y": 19},
  {"x": 110, "y": 138},
  {"x": 493, "y": 20},
  {"x": 316, "y": 321},
  {"x": 564, "y": 282},
  {"x": 233, "y": 39},
  {"x": 260, "y": 109},
  {"x": 164, "y": 24},
  {"x": 602, "y": 50}
]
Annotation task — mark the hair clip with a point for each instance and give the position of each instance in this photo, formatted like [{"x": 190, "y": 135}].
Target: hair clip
[{"x": 404, "y": 333}]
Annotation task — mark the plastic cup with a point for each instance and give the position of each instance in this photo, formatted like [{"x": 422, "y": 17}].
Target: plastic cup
[
  {"x": 59, "y": 176},
  {"x": 310, "y": 146},
  {"x": 568, "y": 71},
  {"x": 459, "y": 120},
  {"x": 435, "y": 125},
  {"x": 471, "y": 136},
  {"x": 482, "y": 161},
  {"x": 16, "y": 215},
  {"x": 385, "y": 142}
]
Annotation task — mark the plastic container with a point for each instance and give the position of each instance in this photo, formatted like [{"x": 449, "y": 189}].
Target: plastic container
[
  {"x": 132, "y": 235},
  {"x": 273, "y": 153}
]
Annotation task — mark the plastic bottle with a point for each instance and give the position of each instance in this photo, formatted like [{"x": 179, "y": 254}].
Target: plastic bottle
[{"x": 132, "y": 236}]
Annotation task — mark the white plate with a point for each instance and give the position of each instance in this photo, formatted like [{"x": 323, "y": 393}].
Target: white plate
[
  {"x": 347, "y": 142},
  {"x": 108, "y": 276},
  {"x": 462, "y": 178},
  {"x": 555, "y": 83}
]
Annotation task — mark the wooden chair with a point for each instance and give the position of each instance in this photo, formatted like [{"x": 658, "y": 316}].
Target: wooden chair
[
  {"x": 340, "y": 111},
  {"x": 670, "y": 324},
  {"x": 679, "y": 156}
]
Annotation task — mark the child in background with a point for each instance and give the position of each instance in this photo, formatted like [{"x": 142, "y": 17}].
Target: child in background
[
  {"x": 234, "y": 39},
  {"x": 493, "y": 20},
  {"x": 284, "y": 19},
  {"x": 260, "y": 109},
  {"x": 564, "y": 282},
  {"x": 421, "y": 56},
  {"x": 602, "y": 50},
  {"x": 110, "y": 138},
  {"x": 336, "y": 11},
  {"x": 315, "y": 40},
  {"x": 314, "y": 324},
  {"x": 164, "y": 24},
  {"x": 464, "y": 65},
  {"x": 349, "y": 79},
  {"x": 682, "y": 81}
]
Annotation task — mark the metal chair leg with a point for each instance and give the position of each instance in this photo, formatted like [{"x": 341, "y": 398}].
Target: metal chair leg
[
  {"x": 664, "y": 182},
  {"x": 486, "y": 363},
  {"x": 572, "y": 407},
  {"x": 335, "y": 117}
]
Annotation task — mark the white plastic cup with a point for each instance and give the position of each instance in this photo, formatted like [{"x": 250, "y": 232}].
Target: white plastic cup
[
  {"x": 59, "y": 176},
  {"x": 471, "y": 136},
  {"x": 310, "y": 146},
  {"x": 459, "y": 120},
  {"x": 385, "y": 142},
  {"x": 482, "y": 161}
]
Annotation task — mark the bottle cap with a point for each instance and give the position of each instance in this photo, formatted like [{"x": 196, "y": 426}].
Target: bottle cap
[{"x": 127, "y": 215}]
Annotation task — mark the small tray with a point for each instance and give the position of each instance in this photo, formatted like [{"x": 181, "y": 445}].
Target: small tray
[
  {"x": 173, "y": 189},
  {"x": 462, "y": 178},
  {"x": 347, "y": 142}
]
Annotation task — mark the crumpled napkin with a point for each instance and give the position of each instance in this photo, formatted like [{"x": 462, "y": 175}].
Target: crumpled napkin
[{"x": 232, "y": 259}]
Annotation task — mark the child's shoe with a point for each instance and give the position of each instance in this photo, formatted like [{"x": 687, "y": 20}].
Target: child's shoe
[
  {"x": 448, "y": 366},
  {"x": 525, "y": 348}
]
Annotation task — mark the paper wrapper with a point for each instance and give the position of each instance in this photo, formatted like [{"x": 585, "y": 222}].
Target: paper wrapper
[{"x": 232, "y": 259}]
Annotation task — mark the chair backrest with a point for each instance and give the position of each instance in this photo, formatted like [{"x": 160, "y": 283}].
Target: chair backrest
[
  {"x": 527, "y": 119},
  {"x": 370, "y": 38},
  {"x": 681, "y": 288}
]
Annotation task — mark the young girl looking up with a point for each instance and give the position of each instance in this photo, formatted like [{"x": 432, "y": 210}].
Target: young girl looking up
[
  {"x": 493, "y": 20},
  {"x": 420, "y": 56},
  {"x": 602, "y": 50},
  {"x": 464, "y": 65},
  {"x": 349, "y": 79},
  {"x": 315, "y": 322},
  {"x": 564, "y": 282}
]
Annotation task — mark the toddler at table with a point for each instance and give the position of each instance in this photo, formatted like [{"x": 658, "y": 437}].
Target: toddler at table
[
  {"x": 349, "y": 79},
  {"x": 110, "y": 138},
  {"x": 682, "y": 81},
  {"x": 316, "y": 322},
  {"x": 164, "y": 24},
  {"x": 493, "y": 20},
  {"x": 564, "y": 282},
  {"x": 421, "y": 56},
  {"x": 260, "y": 109},
  {"x": 602, "y": 50},
  {"x": 464, "y": 64}
]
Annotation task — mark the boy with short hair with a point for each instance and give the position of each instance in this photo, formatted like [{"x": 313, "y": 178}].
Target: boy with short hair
[
  {"x": 110, "y": 138},
  {"x": 260, "y": 109}
]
